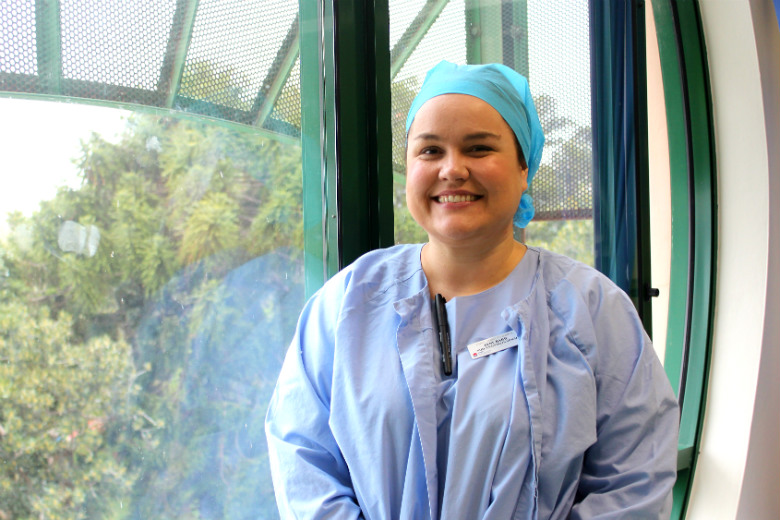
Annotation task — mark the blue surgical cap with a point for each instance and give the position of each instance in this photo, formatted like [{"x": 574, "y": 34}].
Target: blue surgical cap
[{"x": 507, "y": 92}]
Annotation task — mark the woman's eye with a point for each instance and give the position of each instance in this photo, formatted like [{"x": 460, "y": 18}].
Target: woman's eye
[
  {"x": 479, "y": 148},
  {"x": 429, "y": 150}
]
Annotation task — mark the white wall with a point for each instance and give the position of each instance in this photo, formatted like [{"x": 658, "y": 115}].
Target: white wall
[{"x": 738, "y": 474}]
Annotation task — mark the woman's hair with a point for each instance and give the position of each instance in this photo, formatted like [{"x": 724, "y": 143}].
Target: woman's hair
[{"x": 520, "y": 155}]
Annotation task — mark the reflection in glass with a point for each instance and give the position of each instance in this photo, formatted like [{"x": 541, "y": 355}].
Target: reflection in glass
[{"x": 145, "y": 308}]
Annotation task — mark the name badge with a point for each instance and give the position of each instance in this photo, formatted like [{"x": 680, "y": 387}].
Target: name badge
[{"x": 493, "y": 345}]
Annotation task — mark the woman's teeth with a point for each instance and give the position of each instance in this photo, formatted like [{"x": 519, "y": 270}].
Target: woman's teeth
[{"x": 457, "y": 198}]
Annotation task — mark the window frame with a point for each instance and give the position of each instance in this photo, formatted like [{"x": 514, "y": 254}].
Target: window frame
[{"x": 347, "y": 165}]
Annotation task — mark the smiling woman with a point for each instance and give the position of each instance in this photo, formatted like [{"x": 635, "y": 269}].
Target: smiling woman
[
  {"x": 362, "y": 386},
  {"x": 151, "y": 277}
]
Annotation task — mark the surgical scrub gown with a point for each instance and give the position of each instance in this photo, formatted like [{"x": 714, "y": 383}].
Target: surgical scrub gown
[{"x": 575, "y": 419}]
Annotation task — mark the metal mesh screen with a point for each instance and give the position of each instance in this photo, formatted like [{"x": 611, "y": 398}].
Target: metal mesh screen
[
  {"x": 231, "y": 60},
  {"x": 287, "y": 110},
  {"x": 559, "y": 73},
  {"x": 550, "y": 39},
  {"x": 113, "y": 43},
  {"x": 18, "y": 55},
  {"x": 410, "y": 32}
]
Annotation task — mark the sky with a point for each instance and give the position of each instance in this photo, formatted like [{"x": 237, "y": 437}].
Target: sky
[{"x": 39, "y": 141}]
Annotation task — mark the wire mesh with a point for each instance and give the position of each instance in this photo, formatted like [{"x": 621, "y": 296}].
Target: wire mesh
[
  {"x": 114, "y": 43},
  {"x": 559, "y": 74},
  {"x": 287, "y": 110},
  {"x": 17, "y": 54},
  {"x": 238, "y": 41},
  {"x": 226, "y": 59},
  {"x": 444, "y": 40}
]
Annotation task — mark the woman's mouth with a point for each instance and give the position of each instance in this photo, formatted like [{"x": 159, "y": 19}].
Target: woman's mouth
[{"x": 456, "y": 198}]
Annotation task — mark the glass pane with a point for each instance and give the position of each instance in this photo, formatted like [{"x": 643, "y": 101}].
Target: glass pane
[
  {"x": 559, "y": 74},
  {"x": 660, "y": 189},
  {"x": 150, "y": 280},
  {"x": 546, "y": 41}
]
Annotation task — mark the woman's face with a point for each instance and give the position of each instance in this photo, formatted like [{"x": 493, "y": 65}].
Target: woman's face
[{"x": 463, "y": 175}]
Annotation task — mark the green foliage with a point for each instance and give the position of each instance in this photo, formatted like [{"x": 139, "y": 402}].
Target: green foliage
[
  {"x": 64, "y": 408},
  {"x": 573, "y": 238},
  {"x": 220, "y": 85},
  {"x": 210, "y": 228},
  {"x": 134, "y": 375}
]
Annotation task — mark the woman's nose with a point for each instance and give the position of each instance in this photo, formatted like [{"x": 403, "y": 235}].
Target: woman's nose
[{"x": 454, "y": 168}]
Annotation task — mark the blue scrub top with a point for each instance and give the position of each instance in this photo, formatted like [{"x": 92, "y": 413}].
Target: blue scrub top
[{"x": 576, "y": 421}]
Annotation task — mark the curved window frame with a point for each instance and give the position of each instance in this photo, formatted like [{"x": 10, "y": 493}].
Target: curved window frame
[{"x": 694, "y": 223}]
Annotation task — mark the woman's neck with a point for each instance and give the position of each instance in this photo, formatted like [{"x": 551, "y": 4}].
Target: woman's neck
[{"x": 460, "y": 271}]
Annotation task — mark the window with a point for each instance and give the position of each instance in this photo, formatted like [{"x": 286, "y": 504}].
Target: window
[
  {"x": 151, "y": 257},
  {"x": 693, "y": 221},
  {"x": 242, "y": 153}
]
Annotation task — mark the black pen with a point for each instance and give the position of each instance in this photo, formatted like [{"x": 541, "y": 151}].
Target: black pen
[{"x": 444, "y": 334}]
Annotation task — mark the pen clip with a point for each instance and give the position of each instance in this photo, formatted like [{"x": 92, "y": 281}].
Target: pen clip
[{"x": 444, "y": 334}]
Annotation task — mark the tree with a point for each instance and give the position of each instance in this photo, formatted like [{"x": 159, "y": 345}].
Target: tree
[
  {"x": 169, "y": 282},
  {"x": 65, "y": 408}
]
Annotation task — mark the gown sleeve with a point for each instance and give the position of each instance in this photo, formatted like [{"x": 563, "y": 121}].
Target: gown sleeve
[
  {"x": 631, "y": 469},
  {"x": 311, "y": 479}
]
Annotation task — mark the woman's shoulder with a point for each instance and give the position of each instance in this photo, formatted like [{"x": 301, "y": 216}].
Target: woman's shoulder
[
  {"x": 394, "y": 270},
  {"x": 556, "y": 267},
  {"x": 568, "y": 280}
]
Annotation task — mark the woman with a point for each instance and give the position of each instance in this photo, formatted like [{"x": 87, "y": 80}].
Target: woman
[{"x": 552, "y": 403}]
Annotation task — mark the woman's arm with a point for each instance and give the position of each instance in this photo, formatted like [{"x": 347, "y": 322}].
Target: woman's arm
[{"x": 631, "y": 470}]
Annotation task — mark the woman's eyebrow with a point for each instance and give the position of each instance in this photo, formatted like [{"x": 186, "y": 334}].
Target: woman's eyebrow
[
  {"x": 475, "y": 136},
  {"x": 481, "y": 135},
  {"x": 426, "y": 136}
]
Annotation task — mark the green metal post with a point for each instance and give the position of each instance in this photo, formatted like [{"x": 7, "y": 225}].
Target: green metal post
[
  {"x": 277, "y": 75},
  {"x": 361, "y": 128},
  {"x": 178, "y": 45},
  {"x": 312, "y": 142},
  {"x": 518, "y": 32},
  {"x": 49, "y": 44},
  {"x": 414, "y": 34},
  {"x": 473, "y": 32}
]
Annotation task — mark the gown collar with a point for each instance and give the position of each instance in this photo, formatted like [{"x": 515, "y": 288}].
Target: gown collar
[{"x": 418, "y": 350}]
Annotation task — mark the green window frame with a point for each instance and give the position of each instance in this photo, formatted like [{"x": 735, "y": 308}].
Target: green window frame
[
  {"x": 694, "y": 223},
  {"x": 346, "y": 145}
]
